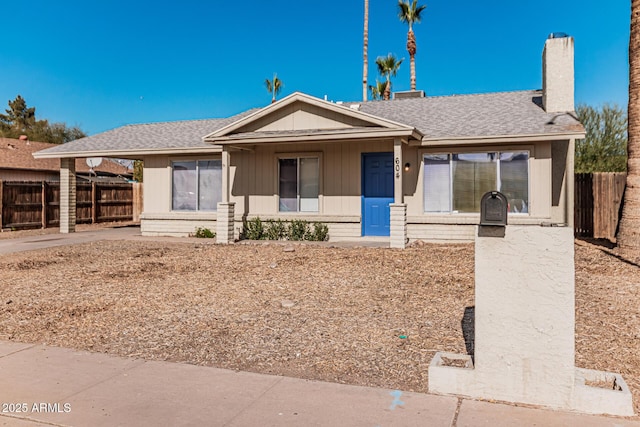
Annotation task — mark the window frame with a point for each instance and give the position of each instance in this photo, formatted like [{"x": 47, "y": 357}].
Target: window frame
[
  {"x": 197, "y": 182},
  {"x": 450, "y": 152},
  {"x": 297, "y": 156}
]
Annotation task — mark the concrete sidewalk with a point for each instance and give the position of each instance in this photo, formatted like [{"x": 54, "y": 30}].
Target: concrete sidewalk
[{"x": 44, "y": 386}]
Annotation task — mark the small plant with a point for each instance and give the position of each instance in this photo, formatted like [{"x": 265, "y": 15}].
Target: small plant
[
  {"x": 320, "y": 232},
  {"x": 204, "y": 233},
  {"x": 253, "y": 229},
  {"x": 275, "y": 230},
  {"x": 298, "y": 229}
]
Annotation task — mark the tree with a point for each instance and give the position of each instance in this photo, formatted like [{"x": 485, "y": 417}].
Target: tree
[
  {"x": 274, "y": 87},
  {"x": 629, "y": 228},
  {"x": 388, "y": 66},
  {"x": 365, "y": 70},
  {"x": 605, "y": 147},
  {"x": 21, "y": 120},
  {"x": 138, "y": 168},
  {"x": 377, "y": 90},
  {"x": 409, "y": 12}
]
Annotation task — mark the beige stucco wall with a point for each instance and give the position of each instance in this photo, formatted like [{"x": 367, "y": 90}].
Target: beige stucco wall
[{"x": 254, "y": 188}]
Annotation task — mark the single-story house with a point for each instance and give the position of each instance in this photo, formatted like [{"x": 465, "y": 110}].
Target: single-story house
[
  {"x": 18, "y": 164},
  {"x": 414, "y": 167}
]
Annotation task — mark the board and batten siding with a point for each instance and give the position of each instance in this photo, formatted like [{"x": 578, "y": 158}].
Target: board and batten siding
[
  {"x": 543, "y": 175},
  {"x": 254, "y": 189},
  {"x": 255, "y": 174},
  {"x": 300, "y": 117}
]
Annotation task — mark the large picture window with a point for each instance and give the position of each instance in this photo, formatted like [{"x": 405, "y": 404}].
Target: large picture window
[
  {"x": 455, "y": 183},
  {"x": 196, "y": 185},
  {"x": 298, "y": 184}
]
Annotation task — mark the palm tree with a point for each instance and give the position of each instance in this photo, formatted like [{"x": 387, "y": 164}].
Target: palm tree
[
  {"x": 410, "y": 13},
  {"x": 377, "y": 90},
  {"x": 365, "y": 70},
  {"x": 388, "y": 66},
  {"x": 629, "y": 229},
  {"x": 274, "y": 87}
]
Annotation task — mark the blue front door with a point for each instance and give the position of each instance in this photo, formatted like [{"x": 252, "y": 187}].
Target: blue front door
[{"x": 377, "y": 193}]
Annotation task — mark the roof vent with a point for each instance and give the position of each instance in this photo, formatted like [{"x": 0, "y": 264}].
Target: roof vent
[
  {"x": 409, "y": 94},
  {"x": 355, "y": 107}
]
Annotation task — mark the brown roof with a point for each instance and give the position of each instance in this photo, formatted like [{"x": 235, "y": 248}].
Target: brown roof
[{"x": 17, "y": 154}]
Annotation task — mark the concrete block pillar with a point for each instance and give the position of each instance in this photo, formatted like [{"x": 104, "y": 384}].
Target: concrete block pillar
[
  {"x": 398, "y": 225},
  {"x": 224, "y": 223},
  {"x": 67, "y": 195}
]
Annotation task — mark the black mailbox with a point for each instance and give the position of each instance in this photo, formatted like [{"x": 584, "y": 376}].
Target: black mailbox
[{"x": 493, "y": 209}]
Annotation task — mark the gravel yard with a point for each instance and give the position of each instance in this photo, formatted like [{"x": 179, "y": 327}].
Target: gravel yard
[{"x": 366, "y": 316}]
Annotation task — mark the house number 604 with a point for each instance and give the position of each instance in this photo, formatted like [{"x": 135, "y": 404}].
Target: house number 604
[{"x": 397, "y": 167}]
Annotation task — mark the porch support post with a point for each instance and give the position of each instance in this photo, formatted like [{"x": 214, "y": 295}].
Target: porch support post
[
  {"x": 226, "y": 164},
  {"x": 225, "y": 222},
  {"x": 398, "y": 167},
  {"x": 398, "y": 226},
  {"x": 67, "y": 195}
]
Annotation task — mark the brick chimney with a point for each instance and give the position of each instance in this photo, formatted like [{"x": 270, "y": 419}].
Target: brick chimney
[{"x": 557, "y": 74}]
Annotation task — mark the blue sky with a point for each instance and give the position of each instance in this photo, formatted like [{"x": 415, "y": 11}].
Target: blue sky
[{"x": 106, "y": 63}]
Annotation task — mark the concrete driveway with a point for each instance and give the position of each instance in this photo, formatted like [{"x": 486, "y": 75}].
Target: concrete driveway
[{"x": 30, "y": 243}]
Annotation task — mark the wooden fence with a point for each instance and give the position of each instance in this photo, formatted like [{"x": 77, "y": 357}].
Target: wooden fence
[
  {"x": 597, "y": 204},
  {"x": 26, "y": 205}
]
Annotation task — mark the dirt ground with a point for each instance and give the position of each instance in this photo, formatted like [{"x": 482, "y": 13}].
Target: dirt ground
[{"x": 366, "y": 316}]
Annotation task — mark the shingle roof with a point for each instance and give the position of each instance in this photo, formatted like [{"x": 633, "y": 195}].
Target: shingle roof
[
  {"x": 148, "y": 136},
  {"x": 491, "y": 114},
  {"x": 17, "y": 154},
  {"x": 501, "y": 114}
]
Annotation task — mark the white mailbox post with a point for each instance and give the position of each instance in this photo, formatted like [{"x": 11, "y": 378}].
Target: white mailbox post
[{"x": 524, "y": 328}]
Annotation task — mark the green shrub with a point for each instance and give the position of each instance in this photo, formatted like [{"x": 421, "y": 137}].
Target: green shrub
[
  {"x": 253, "y": 229},
  {"x": 204, "y": 233},
  {"x": 275, "y": 230},
  {"x": 298, "y": 229},
  {"x": 320, "y": 232}
]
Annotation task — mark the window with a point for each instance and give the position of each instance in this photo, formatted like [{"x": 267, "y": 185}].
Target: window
[
  {"x": 196, "y": 185},
  {"x": 298, "y": 184},
  {"x": 455, "y": 183}
]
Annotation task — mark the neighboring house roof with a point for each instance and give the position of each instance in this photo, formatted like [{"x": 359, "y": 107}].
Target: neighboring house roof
[
  {"x": 508, "y": 115},
  {"x": 17, "y": 154}
]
